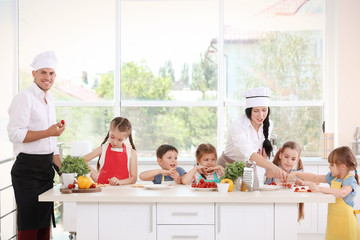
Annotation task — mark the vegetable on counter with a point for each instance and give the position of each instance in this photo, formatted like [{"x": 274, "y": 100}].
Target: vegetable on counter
[{"x": 233, "y": 170}]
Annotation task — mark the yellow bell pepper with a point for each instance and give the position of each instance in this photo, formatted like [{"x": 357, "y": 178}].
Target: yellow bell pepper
[{"x": 84, "y": 182}]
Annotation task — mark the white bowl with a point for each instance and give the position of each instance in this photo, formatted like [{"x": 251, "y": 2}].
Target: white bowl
[{"x": 223, "y": 187}]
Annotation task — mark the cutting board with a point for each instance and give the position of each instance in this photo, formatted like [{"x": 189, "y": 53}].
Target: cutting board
[{"x": 77, "y": 190}]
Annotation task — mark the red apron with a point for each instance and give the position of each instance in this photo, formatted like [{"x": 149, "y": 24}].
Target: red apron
[{"x": 115, "y": 165}]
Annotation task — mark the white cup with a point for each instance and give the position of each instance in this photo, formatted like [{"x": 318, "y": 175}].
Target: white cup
[
  {"x": 67, "y": 178},
  {"x": 223, "y": 187}
]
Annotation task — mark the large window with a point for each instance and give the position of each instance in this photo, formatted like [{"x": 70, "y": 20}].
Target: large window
[{"x": 176, "y": 68}]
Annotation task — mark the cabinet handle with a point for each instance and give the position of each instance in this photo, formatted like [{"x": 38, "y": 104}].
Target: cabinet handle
[
  {"x": 151, "y": 217},
  {"x": 184, "y": 213},
  {"x": 185, "y": 237},
  {"x": 218, "y": 219}
]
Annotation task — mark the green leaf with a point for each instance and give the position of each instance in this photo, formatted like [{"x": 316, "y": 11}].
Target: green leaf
[{"x": 74, "y": 165}]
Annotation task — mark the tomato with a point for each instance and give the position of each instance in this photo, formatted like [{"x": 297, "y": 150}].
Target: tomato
[
  {"x": 202, "y": 180},
  {"x": 309, "y": 190},
  {"x": 70, "y": 186},
  {"x": 302, "y": 188},
  {"x": 296, "y": 189},
  {"x": 93, "y": 185},
  {"x": 215, "y": 185},
  {"x": 289, "y": 185},
  {"x": 62, "y": 122}
]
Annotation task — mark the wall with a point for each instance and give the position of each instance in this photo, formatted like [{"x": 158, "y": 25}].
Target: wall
[{"x": 348, "y": 70}]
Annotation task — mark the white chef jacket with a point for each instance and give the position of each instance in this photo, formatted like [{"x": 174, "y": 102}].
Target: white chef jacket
[
  {"x": 243, "y": 140},
  {"x": 29, "y": 112}
]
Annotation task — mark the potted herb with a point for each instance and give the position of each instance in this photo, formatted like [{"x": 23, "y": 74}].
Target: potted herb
[
  {"x": 234, "y": 171},
  {"x": 71, "y": 167}
]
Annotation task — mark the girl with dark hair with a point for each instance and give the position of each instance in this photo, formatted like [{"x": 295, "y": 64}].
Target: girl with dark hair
[
  {"x": 248, "y": 136},
  {"x": 117, "y": 163}
]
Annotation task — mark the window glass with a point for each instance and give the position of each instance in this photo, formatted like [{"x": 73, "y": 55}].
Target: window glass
[
  {"x": 277, "y": 44},
  {"x": 183, "y": 127},
  {"x": 84, "y": 123},
  {"x": 81, "y": 33},
  {"x": 167, "y": 50}
]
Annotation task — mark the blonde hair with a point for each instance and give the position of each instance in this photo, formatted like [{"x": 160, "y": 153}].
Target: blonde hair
[{"x": 344, "y": 155}]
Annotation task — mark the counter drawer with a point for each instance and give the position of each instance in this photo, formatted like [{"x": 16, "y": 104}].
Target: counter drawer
[
  {"x": 185, "y": 213},
  {"x": 188, "y": 232}
]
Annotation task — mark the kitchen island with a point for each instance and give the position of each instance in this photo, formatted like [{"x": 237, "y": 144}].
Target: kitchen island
[{"x": 125, "y": 212}]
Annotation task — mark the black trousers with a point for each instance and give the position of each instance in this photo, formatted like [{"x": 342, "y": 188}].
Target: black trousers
[{"x": 32, "y": 175}]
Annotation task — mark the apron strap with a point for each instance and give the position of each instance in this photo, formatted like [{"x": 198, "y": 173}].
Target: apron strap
[{"x": 356, "y": 212}]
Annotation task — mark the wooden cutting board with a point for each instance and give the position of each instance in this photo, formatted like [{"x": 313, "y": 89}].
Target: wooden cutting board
[{"x": 77, "y": 190}]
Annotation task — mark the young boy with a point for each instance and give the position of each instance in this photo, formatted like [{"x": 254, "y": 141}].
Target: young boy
[{"x": 167, "y": 159}]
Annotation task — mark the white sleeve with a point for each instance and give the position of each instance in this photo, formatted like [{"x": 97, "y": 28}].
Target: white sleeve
[
  {"x": 239, "y": 135},
  {"x": 19, "y": 118}
]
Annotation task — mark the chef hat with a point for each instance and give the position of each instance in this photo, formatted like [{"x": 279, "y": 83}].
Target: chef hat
[
  {"x": 44, "y": 60},
  {"x": 257, "y": 97}
]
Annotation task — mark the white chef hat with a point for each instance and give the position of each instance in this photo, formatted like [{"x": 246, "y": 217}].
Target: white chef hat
[
  {"x": 257, "y": 97},
  {"x": 44, "y": 60}
]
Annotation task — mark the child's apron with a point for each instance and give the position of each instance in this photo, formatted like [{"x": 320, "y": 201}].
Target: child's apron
[
  {"x": 216, "y": 179},
  {"x": 115, "y": 165},
  {"x": 342, "y": 223}
]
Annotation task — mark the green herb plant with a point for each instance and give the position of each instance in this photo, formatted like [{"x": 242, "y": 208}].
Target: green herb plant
[
  {"x": 233, "y": 170},
  {"x": 74, "y": 165}
]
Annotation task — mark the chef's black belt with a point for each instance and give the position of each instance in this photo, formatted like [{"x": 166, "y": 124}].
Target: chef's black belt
[{"x": 32, "y": 175}]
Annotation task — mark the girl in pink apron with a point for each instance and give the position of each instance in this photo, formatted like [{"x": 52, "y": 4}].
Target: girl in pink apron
[
  {"x": 341, "y": 221},
  {"x": 117, "y": 164}
]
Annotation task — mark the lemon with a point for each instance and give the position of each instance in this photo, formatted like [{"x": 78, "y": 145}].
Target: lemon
[{"x": 231, "y": 183}]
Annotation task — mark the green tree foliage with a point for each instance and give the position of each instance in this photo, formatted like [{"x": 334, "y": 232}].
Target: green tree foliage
[
  {"x": 204, "y": 75},
  {"x": 105, "y": 89},
  {"x": 167, "y": 70}
]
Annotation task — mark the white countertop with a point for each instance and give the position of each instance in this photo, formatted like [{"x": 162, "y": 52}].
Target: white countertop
[{"x": 182, "y": 193}]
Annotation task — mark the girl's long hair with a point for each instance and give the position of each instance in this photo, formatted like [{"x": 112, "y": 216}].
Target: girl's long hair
[
  {"x": 345, "y": 156},
  {"x": 123, "y": 125},
  {"x": 266, "y": 144},
  {"x": 294, "y": 146}
]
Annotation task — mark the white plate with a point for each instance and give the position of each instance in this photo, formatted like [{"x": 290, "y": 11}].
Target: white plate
[
  {"x": 203, "y": 189},
  {"x": 270, "y": 188},
  {"x": 158, "y": 186}
]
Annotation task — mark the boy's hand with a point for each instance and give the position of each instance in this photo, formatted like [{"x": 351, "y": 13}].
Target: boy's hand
[
  {"x": 175, "y": 175},
  {"x": 166, "y": 172}
]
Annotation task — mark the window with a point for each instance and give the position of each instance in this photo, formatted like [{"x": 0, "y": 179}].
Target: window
[{"x": 176, "y": 68}]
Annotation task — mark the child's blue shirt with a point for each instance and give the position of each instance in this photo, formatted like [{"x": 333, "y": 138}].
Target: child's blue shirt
[
  {"x": 350, "y": 181},
  {"x": 158, "y": 178}
]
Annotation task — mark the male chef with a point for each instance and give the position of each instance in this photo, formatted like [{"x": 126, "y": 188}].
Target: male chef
[{"x": 33, "y": 130}]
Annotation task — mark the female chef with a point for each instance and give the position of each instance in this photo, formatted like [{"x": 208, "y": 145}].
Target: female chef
[{"x": 248, "y": 136}]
